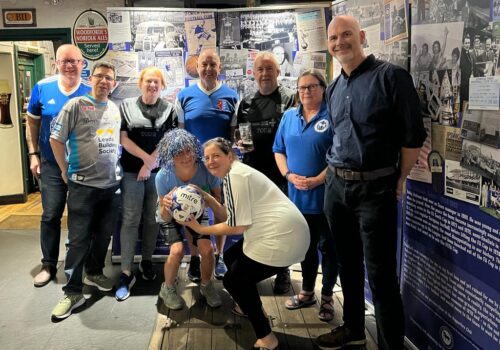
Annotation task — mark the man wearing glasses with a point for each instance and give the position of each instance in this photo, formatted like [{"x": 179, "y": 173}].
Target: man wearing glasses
[
  {"x": 88, "y": 129},
  {"x": 47, "y": 99}
]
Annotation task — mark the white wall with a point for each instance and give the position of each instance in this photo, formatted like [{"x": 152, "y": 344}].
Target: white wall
[{"x": 11, "y": 174}]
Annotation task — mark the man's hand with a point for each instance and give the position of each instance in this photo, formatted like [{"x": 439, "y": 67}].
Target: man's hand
[
  {"x": 35, "y": 166},
  {"x": 144, "y": 173},
  {"x": 166, "y": 200},
  {"x": 64, "y": 177},
  {"x": 149, "y": 162}
]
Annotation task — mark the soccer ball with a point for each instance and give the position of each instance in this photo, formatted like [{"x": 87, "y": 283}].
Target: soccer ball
[{"x": 186, "y": 200}]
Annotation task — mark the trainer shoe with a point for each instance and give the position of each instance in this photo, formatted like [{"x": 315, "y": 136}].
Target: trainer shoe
[
  {"x": 66, "y": 305},
  {"x": 340, "y": 337},
  {"x": 146, "y": 268},
  {"x": 220, "y": 267},
  {"x": 102, "y": 282},
  {"x": 210, "y": 294},
  {"x": 126, "y": 284},
  {"x": 44, "y": 276},
  {"x": 282, "y": 282},
  {"x": 194, "y": 273},
  {"x": 170, "y": 297}
]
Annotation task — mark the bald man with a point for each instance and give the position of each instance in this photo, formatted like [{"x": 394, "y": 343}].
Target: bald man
[
  {"x": 207, "y": 110},
  {"x": 47, "y": 99},
  {"x": 377, "y": 135}
]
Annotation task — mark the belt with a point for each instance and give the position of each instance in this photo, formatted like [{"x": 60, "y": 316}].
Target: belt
[{"x": 351, "y": 175}]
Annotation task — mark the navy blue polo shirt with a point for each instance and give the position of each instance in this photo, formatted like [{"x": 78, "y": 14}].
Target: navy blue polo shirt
[
  {"x": 305, "y": 146},
  {"x": 375, "y": 111}
]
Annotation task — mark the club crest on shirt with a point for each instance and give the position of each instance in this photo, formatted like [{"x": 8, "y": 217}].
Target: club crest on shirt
[
  {"x": 222, "y": 105},
  {"x": 322, "y": 125}
]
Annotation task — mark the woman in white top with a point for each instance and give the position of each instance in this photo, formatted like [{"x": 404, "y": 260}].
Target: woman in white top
[{"x": 275, "y": 234}]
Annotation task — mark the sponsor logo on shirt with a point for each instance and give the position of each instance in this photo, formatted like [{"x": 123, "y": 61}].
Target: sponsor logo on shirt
[
  {"x": 322, "y": 125},
  {"x": 51, "y": 102},
  {"x": 87, "y": 108},
  {"x": 100, "y": 132}
]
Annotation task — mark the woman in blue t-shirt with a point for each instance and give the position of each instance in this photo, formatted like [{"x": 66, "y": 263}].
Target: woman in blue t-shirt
[{"x": 302, "y": 140}]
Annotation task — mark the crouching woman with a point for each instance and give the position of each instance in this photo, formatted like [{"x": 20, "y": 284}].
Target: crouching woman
[{"x": 275, "y": 234}]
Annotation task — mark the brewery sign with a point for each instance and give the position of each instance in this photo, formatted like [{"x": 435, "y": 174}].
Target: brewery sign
[
  {"x": 90, "y": 34},
  {"x": 19, "y": 17}
]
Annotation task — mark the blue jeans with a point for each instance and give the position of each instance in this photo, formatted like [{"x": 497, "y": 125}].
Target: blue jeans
[
  {"x": 54, "y": 191},
  {"x": 321, "y": 237},
  {"x": 91, "y": 222},
  {"x": 138, "y": 199},
  {"x": 363, "y": 219}
]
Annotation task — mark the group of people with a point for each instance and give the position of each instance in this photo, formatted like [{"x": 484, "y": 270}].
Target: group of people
[{"x": 325, "y": 173}]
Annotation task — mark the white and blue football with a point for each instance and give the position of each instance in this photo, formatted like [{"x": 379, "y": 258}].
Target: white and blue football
[{"x": 186, "y": 200}]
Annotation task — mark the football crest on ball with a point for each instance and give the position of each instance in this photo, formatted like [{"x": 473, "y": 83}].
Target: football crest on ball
[{"x": 186, "y": 200}]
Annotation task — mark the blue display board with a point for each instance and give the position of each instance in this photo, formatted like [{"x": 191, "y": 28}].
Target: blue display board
[{"x": 450, "y": 272}]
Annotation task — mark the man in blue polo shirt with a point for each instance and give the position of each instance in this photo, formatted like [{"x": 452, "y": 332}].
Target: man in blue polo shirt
[
  {"x": 47, "y": 99},
  {"x": 377, "y": 135},
  {"x": 208, "y": 110}
]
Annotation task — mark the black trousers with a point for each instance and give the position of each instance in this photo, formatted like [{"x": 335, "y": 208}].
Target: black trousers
[
  {"x": 241, "y": 280},
  {"x": 363, "y": 219}
]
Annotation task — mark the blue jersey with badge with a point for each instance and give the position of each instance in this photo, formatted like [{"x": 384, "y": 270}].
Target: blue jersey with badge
[
  {"x": 207, "y": 115},
  {"x": 305, "y": 146},
  {"x": 46, "y": 101}
]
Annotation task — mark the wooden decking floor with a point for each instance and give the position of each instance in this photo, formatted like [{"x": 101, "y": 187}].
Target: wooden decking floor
[{"x": 198, "y": 327}]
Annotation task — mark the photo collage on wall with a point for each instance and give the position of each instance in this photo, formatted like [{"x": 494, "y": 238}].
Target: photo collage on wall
[
  {"x": 296, "y": 37},
  {"x": 455, "y": 45},
  {"x": 173, "y": 39}
]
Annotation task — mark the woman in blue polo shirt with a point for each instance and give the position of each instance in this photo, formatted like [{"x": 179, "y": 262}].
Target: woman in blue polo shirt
[{"x": 302, "y": 140}]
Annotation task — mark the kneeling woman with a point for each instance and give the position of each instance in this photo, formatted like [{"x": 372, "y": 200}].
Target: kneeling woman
[{"x": 275, "y": 234}]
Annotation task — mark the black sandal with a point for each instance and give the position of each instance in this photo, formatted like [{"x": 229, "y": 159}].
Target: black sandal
[{"x": 326, "y": 311}]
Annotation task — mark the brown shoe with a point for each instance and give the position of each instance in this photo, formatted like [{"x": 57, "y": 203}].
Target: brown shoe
[{"x": 43, "y": 277}]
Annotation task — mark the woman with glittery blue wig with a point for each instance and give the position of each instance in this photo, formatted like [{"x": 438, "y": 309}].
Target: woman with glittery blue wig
[{"x": 179, "y": 156}]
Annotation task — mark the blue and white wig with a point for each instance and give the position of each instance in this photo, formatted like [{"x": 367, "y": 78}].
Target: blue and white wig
[{"x": 175, "y": 142}]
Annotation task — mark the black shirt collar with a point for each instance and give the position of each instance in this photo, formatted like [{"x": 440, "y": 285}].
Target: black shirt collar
[
  {"x": 271, "y": 94},
  {"x": 363, "y": 67}
]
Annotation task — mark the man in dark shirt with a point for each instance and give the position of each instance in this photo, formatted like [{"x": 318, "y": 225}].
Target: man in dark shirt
[
  {"x": 377, "y": 135},
  {"x": 263, "y": 111}
]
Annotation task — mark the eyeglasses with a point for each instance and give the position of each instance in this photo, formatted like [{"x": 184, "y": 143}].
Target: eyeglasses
[
  {"x": 71, "y": 62},
  {"x": 102, "y": 76},
  {"x": 311, "y": 87}
]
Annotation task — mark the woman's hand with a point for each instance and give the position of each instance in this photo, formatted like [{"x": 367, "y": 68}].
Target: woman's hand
[
  {"x": 303, "y": 183},
  {"x": 192, "y": 224},
  {"x": 206, "y": 196}
]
